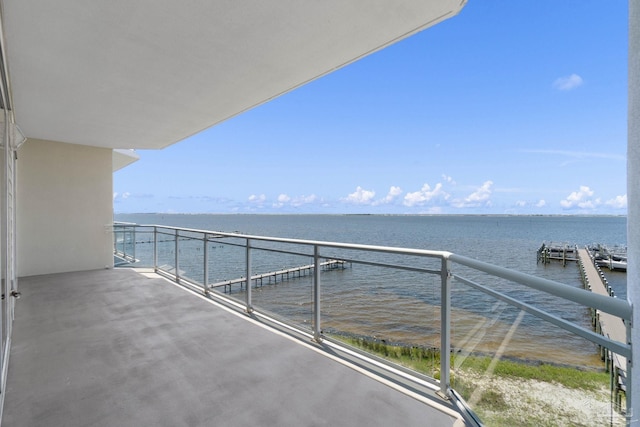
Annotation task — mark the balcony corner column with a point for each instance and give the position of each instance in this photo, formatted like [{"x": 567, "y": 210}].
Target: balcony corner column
[{"x": 633, "y": 207}]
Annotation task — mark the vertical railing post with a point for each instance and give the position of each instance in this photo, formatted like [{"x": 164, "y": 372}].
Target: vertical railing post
[
  {"x": 317, "y": 329},
  {"x": 177, "y": 264},
  {"x": 445, "y": 328},
  {"x": 249, "y": 306},
  {"x": 629, "y": 390},
  {"x": 155, "y": 249},
  {"x": 205, "y": 273},
  {"x": 124, "y": 242},
  {"x": 134, "y": 243}
]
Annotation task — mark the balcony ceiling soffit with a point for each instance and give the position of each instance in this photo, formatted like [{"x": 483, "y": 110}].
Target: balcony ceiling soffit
[{"x": 146, "y": 74}]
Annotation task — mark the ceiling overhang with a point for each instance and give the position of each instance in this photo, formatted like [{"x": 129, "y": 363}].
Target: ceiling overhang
[
  {"x": 146, "y": 74},
  {"x": 123, "y": 157}
]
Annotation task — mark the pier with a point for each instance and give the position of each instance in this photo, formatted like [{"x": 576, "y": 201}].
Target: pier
[
  {"x": 284, "y": 274},
  {"x": 557, "y": 252},
  {"x": 604, "y": 323}
]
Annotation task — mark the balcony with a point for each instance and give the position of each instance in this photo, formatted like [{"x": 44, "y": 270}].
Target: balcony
[{"x": 185, "y": 339}]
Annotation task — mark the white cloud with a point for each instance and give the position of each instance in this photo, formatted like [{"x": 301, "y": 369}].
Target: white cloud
[
  {"x": 126, "y": 195},
  {"x": 285, "y": 199},
  {"x": 304, "y": 200},
  {"x": 448, "y": 179},
  {"x": 393, "y": 193},
  {"x": 481, "y": 194},
  {"x": 257, "y": 199},
  {"x": 620, "y": 202},
  {"x": 424, "y": 195},
  {"x": 282, "y": 200},
  {"x": 567, "y": 83},
  {"x": 521, "y": 203},
  {"x": 580, "y": 199},
  {"x": 255, "y": 202},
  {"x": 477, "y": 198},
  {"x": 360, "y": 196},
  {"x": 541, "y": 203}
]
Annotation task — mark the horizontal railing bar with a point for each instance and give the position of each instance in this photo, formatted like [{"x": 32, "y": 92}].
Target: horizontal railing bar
[
  {"x": 239, "y": 245},
  {"x": 164, "y": 233},
  {"x": 214, "y": 236},
  {"x": 379, "y": 360},
  {"x": 182, "y": 237},
  {"x": 615, "y": 346},
  {"x": 281, "y": 251},
  {"x": 615, "y": 306}
]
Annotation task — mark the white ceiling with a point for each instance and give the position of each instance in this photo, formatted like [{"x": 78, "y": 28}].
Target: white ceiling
[{"x": 149, "y": 73}]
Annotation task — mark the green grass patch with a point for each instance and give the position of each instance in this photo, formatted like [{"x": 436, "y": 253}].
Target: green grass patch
[
  {"x": 420, "y": 359},
  {"x": 427, "y": 360},
  {"x": 569, "y": 377}
]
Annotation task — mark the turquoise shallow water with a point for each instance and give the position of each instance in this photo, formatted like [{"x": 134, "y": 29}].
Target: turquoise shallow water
[{"x": 400, "y": 306}]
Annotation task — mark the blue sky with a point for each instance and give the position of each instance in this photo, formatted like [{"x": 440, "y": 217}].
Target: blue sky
[{"x": 511, "y": 107}]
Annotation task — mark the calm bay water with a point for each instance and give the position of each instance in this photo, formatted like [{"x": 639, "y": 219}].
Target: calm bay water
[{"x": 400, "y": 306}]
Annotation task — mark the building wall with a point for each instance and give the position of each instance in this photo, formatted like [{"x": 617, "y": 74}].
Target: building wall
[
  {"x": 633, "y": 206},
  {"x": 64, "y": 207}
]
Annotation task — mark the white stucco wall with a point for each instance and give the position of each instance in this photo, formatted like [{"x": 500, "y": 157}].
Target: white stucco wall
[{"x": 64, "y": 202}]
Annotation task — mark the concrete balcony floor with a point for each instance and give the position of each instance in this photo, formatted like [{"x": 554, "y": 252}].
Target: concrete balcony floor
[{"x": 121, "y": 348}]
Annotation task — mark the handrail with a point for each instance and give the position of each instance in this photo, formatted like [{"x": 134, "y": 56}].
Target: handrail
[
  {"x": 337, "y": 245},
  {"x": 617, "y": 307}
]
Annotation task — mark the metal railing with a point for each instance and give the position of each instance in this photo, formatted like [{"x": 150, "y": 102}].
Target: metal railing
[{"x": 164, "y": 246}]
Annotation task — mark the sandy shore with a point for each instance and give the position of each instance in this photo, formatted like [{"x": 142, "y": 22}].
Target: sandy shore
[{"x": 533, "y": 402}]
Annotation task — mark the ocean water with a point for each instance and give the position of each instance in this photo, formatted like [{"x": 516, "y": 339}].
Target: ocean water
[{"x": 400, "y": 306}]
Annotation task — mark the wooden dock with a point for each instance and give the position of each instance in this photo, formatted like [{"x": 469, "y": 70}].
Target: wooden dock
[
  {"x": 557, "y": 252},
  {"x": 284, "y": 274},
  {"x": 606, "y": 324}
]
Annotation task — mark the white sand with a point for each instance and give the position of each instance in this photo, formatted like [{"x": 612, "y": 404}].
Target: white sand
[{"x": 541, "y": 403}]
